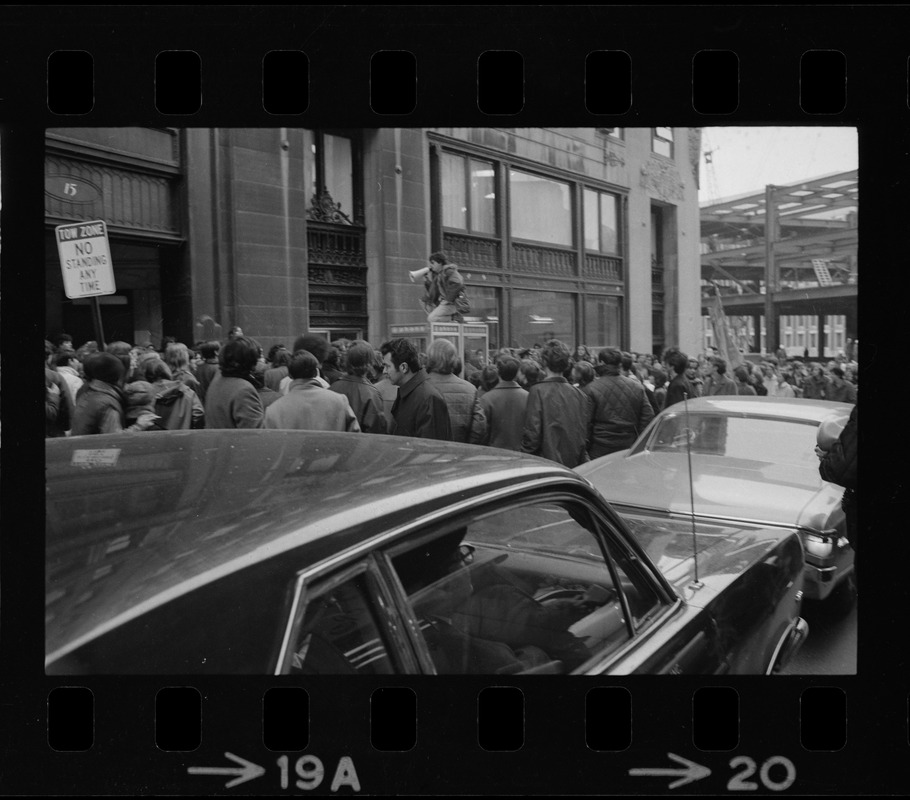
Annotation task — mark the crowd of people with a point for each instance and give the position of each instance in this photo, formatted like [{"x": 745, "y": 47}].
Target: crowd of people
[{"x": 566, "y": 405}]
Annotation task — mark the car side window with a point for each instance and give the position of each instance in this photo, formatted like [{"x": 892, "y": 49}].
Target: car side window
[
  {"x": 522, "y": 590},
  {"x": 340, "y": 632}
]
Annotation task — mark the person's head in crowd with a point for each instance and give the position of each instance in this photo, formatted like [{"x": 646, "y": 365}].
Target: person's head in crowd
[
  {"x": 273, "y": 350},
  {"x": 236, "y": 332},
  {"x": 555, "y": 356},
  {"x": 742, "y": 374},
  {"x": 358, "y": 358},
  {"x": 209, "y": 350},
  {"x": 342, "y": 345},
  {"x": 67, "y": 359},
  {"x": 507, "y": 367},
  {"x": 401, "y": 361},
  {"x": 611, "y": 360},
  {"x": 303, "y": 366},
  {"x": 155, "y": 370},
  {"x": 718, "y": 364},
  {"x": 529, "y": 372},
  {"x": 442, "y": 357},
  {"x": 583, "y": 373},
  {"x": 140, "y": 399},
  {"x": 177, "y": 356},
  {"x": 678, "y": 361},
  {"x": 490, "y": 374},
  {"x": 122, "y": 351},
  {"x": 238, "y": 357},
  {"x": 627, "y": 362},
  {"x": 474, "y": 377},
  {"x": 582, "y": 353},
  {"x": 659, "y": 377},
  {"x": 104, "y": 367},
  {"x": 312, "y": 343}
]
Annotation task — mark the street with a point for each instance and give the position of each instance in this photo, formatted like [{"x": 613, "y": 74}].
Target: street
[{"x": 831, "y": 646}]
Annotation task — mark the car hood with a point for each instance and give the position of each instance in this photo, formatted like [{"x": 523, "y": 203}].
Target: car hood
[{"x": 723, "y": 487}]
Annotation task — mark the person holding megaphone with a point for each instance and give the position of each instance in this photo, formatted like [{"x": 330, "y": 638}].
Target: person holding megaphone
[{"x": 444, "y": 297}]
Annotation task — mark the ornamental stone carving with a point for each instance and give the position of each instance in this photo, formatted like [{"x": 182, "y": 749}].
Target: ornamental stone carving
[
  {"x": 695, "y": 151},
  {"x": 324, "y": 209},
  {"x": 663, "y": 180}
]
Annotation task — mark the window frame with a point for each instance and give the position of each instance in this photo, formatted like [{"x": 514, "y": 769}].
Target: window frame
[
  {"x": 571, "y": 185},
  {"x": 466, "y": 159},
  {"x": 617, "y": 200},
  {"x": 671, "y": 142},
  {"x": 603, "y": 530}
]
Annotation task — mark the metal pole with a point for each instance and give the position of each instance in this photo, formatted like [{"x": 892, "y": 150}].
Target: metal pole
[
  {"x": 771, "y": 332},
  {"x": 96, "y": 316}
]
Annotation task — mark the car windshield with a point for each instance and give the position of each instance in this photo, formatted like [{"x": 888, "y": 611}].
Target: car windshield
[{"x": 779, "y": 441}]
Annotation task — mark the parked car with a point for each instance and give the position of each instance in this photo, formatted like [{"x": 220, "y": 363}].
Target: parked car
[
  {"x": 752, "y": 459},
  {"x": 299, "y": 552}
]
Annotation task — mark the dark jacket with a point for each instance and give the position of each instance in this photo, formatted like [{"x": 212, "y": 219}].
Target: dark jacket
[
  {"x": 469, "y": 423},
  {"x": 421, "y": 411},
  {"x": 178, "y": 405},
  {"x": 815, "y": 387},
  {"x": 678, "y": 389},
  {"x": 99, "y": 409},
  {"x": 504, "y": 409},
  {"x": 557, "y": 422},
  {"x": 841, "y": 391},
  {"x": 719, "y": 384},
  {"x": 445, "y": 285},
  {"x": 621, "y": 411},
  {"x": 205, "y": 374},
  {"x": 365, "y": 400},
  {"x": 59, "y": 404},
  {"x": 232, "y": 402},
  {"x": 839, "y": 466}
]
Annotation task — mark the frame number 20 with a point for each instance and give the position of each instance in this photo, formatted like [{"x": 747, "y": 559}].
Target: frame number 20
[{"x": 747, "y": 766}]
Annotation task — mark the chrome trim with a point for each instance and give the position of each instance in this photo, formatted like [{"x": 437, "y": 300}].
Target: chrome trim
[{"x": 799, "y": 631}]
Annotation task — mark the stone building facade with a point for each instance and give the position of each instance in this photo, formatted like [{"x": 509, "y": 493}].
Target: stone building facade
[{"x": 584, "y": 234}]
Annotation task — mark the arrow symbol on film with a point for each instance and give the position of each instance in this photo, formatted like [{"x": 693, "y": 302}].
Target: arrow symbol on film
[
  {"x": 245, "y": 772},
  {"x": 691, "y": 771}
]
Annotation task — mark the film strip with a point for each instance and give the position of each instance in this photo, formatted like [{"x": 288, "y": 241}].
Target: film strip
[{"x": 835, "y": 732}]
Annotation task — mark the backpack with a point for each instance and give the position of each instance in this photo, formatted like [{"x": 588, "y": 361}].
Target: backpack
[{"x": 462, "y": 304}]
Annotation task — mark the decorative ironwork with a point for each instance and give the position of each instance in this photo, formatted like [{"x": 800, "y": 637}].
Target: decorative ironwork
[
  {"x": 662, "y": 179},
  {"x": 334, "y": 246},
  {"x": 606, "y": 268},
  {"x": 336, "y": 276},
  {"x": 543, "y": 260},
  {"x": 323, "y": 208},
  {"x": 471, "y": 252}
]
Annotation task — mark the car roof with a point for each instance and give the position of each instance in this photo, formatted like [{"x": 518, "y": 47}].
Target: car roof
[
  {"x": 797, "y": 408},
  {"x": 133, "y": 520}
]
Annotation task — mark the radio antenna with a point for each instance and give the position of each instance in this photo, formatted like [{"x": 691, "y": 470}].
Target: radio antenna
[{"x": 691, "y": 486}]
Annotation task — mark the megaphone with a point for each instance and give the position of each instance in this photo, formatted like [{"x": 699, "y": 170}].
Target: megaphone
[{"x": 418, "y": 273}]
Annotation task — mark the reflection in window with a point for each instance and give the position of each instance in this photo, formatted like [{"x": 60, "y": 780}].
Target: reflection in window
[
  {"x": 525, "y": 590},
  {"x": 601, "y": 222},
  {"x": 339, "y": 172},
  {"x": 541, "y": 209},
  {"x": 662, "y": 141},
  {"x": 468, "y": 194},
  {"x": 340, "y": 635},
  {"x": 603, "y": 321},
  {"x": 539, "y": 316}
]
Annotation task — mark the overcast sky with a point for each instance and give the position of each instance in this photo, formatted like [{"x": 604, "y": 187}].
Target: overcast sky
[{"x": 745, "y": 160}]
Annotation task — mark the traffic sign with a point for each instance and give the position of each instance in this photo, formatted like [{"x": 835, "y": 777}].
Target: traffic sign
[{"x": 85, "y": 258}]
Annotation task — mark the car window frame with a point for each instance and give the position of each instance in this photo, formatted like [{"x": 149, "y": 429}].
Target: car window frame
[
  {"x": 309, "y": 586},
  {"x": 603, "y": 530}
]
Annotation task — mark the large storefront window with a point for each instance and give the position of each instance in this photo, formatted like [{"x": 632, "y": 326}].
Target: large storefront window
[
  {"x": 468, "y": 194},
  {"x": 601, "y": 222},
  {"x": 603, "y": 321},
  {"x": 541, "y": 209},
  {"x": 540, "y": 316},
  {"x": 485, "y": 308}
]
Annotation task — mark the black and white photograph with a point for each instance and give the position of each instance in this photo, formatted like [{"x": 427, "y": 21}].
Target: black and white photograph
[{"x": 483, "y": 401}]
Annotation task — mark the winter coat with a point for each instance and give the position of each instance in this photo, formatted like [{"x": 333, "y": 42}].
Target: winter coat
[
  {"x": 420, "y": 410},
  {"x": 232, "y": 403},
  {"x": 841, "y": 391},
  {"x": 719, "y": 384},
  {"x": 99, "y": 409},
  {"x": 365, "y": 400},
  {"x": 59, "y": 405},
  {"x": 815, "y": 387},
  {"x": 504, "y": 409},
  {"x": 557, "y": 422},
  {"x": 678, "y": 389},
  {"x": 621, "y": 411},
  {"x": 442, "y": 286},
  {"x": 839, "y": 466},
  {"x": 178, "y": 406},
  {"x": 309, "y": 407},
  {"x": 205, "y": 374},
  {"x": 466, "y": 417}
]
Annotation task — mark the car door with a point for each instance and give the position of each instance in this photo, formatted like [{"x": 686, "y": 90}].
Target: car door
[{"x": 525, "y": 585}]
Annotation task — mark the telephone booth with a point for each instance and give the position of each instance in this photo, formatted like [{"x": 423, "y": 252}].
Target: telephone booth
[{"x": 471, "y": 339}]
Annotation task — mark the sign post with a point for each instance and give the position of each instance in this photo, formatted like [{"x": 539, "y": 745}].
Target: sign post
[{"x": 85, "y": 258}]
